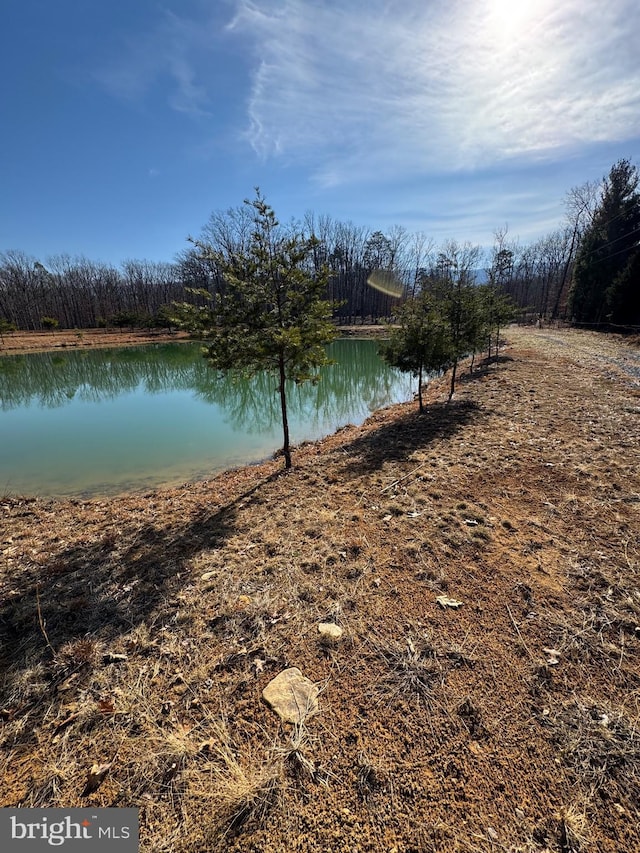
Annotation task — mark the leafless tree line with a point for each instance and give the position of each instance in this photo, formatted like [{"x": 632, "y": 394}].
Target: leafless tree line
[{"x": 80, "y": 293}]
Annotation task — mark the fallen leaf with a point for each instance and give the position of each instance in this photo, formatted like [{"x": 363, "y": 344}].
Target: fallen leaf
[
  {"x": 553, "y": 656},
  {"x": 445, "y": 601},
  {"x": 60, "y": 726},
  {"x": 106, "y": 706},
  {"x": 68, "y": 683},
  {"x": 95, "y": 778},
  {"x": 114, "y": 657}
]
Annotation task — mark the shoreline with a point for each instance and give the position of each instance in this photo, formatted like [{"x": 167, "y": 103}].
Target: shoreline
[{"x": 23, "y": 343}]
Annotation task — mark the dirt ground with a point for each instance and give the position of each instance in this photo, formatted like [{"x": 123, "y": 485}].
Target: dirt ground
[
  {"x": 483, "y": 563},
  {"x": 17, "y": 343}
]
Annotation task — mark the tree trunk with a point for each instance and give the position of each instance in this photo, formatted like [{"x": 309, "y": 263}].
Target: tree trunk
[
  {"x": 420, "y": 401},
  {"x": 453, "y": 379},
  {"x": 283, "y": 406}
]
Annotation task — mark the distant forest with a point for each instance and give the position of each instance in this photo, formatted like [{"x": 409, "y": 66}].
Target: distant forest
[{"x": 587, "y": 271}]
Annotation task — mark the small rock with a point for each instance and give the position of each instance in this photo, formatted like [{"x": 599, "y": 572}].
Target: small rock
[
  {"x": 292, "y": 696},
  {"x": 330, "y": 630}
]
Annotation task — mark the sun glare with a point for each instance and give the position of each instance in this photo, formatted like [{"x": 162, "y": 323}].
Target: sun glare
[{"x": 508, "y": 19}]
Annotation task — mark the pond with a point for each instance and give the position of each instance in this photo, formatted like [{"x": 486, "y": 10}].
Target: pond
[{"x": 98, "y": 422}]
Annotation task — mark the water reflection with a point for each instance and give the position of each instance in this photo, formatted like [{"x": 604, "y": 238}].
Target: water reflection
[
  {"x": 133, "y": 413},
  {"x": 53, "y": 379}
]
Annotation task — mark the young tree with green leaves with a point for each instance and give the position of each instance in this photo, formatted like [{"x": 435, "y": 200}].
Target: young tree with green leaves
[
  {"x": 421, "y": 343},
  {"x": 449, "y": 318},
  {"x": 496, "y": 310},
  {"x": 269, "y": 314},
  {"x": 454, "y": 287}
]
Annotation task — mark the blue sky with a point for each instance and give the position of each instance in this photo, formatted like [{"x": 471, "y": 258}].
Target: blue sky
[{"x": 126, "y": 123}]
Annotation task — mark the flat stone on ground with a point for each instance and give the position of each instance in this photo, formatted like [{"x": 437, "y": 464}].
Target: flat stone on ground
[{"x": 292, "y": 696}]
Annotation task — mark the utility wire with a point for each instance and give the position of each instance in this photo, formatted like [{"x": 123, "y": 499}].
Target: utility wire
[
  {"x": 615, "y": 254},
  {"x": 611, "y": 243}
]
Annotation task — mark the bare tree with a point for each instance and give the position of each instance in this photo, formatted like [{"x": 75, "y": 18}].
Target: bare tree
[{"x": 581, "y": 204}]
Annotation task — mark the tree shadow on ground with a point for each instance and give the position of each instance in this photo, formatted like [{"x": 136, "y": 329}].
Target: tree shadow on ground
[
  {"x": 103, "y": 589},
  {"x": 397, "y": 440},
  {"x": 485, "y": 367}
]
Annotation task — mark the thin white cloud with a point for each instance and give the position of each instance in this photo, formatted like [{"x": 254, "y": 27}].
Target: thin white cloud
[
  {"x": 378, "y": 88},
  {"x": 166, "y": 55}
]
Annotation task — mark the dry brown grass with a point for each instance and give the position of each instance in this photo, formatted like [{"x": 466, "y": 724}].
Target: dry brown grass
[
  {"x": 138, "y": 633},
  {"x": 23, "y": 342}
]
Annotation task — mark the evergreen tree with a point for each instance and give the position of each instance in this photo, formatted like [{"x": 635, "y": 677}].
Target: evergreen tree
[
  {"x": 5, "y": 326},
  {"x": 421, "y": 343},
  {"x": 269, "y": 313},
  {"x": 449, "y": 318},
  {"x": 496, "y": 310},
  {"x": 606, "y": 278},
  {"x": 457, "y": 298}
]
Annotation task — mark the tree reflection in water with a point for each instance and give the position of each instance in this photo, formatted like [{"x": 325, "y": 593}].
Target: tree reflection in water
[{"x": 229, "y": 408}]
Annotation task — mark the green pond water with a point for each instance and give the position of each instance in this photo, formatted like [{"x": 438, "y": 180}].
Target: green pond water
[{"x": 93, "y": 422}]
